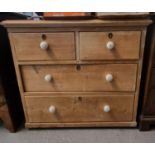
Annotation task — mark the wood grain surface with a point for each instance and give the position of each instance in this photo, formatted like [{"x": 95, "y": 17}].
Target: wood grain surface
[
  {"x": 87, "y": 78},
  {"x": 93, "y": 45},
  {"x": 61, "y": 46},
  {"x": 79, "y": 109}
]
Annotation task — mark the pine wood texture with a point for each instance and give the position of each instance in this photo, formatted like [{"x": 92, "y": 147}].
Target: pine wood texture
[
  {"x": 79, "y": 109},
  {"x": 82, "y": 125},
  {"x": 66, "y": 78},
  {"x": 78, "y": 88},
  {"x": 93, "y": 45},
  {"x": 61, "y": 46},
  {"x": 11, "y": 24}
]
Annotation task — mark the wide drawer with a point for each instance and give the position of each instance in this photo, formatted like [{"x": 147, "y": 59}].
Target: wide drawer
[
  {"x": 47, "y": 46},
  {"x": 79, "y": 108},
  {"x": 62, "y": 78},
  {"x": 115, "y": 45}
]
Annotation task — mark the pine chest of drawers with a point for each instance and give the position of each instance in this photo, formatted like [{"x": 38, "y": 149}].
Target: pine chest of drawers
[{"x": 78, "y": 73}]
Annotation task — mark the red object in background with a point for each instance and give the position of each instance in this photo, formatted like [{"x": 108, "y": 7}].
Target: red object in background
[{"x": 62, "y": 14}]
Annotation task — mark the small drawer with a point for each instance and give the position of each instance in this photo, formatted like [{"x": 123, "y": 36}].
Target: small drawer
[
  {"x": 46, "y": 46},
  {"x": 117, "y": 45},
  {"x": 73, "y": 109},
  {"x": 81, "y": 78}
]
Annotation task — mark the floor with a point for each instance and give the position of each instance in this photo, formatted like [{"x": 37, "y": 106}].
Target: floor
[{"x": 76, "y": 135}]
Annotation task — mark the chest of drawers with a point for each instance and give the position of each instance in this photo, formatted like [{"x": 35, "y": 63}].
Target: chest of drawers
[{"x": 78, "y": 73}]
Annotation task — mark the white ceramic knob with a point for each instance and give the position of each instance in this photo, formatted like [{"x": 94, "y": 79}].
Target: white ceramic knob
[
  {"x": 52, "y": 109},
  {"x": 109, "y": 77},
  {"x": 44, "y": 45},
  {"x": 48, "y": 78},
  {"x": 106, "y": 108},
  {"x": 110, "y": 45}
]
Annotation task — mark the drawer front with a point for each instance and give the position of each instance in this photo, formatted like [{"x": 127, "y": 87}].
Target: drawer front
[
  {"x": 79, "y": 109},
  {"x": 60, "y": 78},
  {"x": 98, "y": 45},
  {"x": 47, "y": 46}
]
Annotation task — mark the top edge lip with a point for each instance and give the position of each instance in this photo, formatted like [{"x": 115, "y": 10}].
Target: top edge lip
[{"x": 75, "y": 23}]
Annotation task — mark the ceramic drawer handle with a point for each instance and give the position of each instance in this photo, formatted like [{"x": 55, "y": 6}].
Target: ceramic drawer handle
[
  {"x": 106, "y": 108},
  {"x": 52, "y": 109},
  {"x": 109, "y": 77},
  {"x": 44, "y": 45},
  {"x": 110, "y": 45},
  {"x": 48, "y": 78}
]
